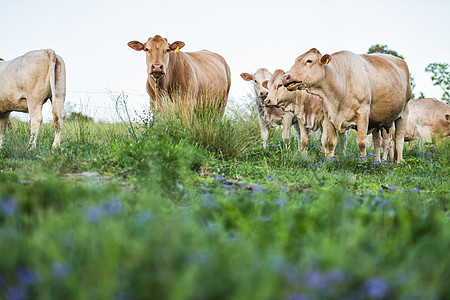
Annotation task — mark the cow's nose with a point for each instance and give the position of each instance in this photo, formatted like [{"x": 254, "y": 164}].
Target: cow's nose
[
  {"x": 263, "y": 94},
  {"x": 157, "y": 68},
  {"x": 267, "y": 102},
  {"x": 286, "y": 79}
]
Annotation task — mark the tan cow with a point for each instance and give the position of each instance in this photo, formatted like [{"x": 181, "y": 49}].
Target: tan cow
[
  {"x": 202, "y": 76},
  {"x": 270, "y": 116},
  {"x": 370, "y": 91},
  {"x": 26, "y": 83},
  {"x": 307, "y": 108}
]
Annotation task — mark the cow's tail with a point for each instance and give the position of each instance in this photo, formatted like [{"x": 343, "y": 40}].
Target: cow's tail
[{"x": 57, "y": 79}]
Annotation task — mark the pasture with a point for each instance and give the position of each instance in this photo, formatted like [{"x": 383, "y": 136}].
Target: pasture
[{"x": 190, "y": 206}]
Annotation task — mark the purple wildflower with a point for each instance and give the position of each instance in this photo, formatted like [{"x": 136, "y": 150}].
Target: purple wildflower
[
  {"x": 94, "y": 214},
  {"x": 265, "y": 218},
  {"x": 315, "y": 279},
  {"x": 256, "y": 187},
  {"x": 26, "y": 276},
  {"x": 218, "y": 178},
  {"x": 307, "y": 200},
  {"x": 393, "y": 187},
  {"x": 376, "y": 288},
  {"x": 385, "y": 202},
  {"x": 113, "y": 206},
  {"x": 8, "y": 206},
  {"x": 416, "y": 190},
  {"x": 284, "y": 189},
  {"x": 16, "y": 293},
  {"x": 280, "y": 202},
  {"x": 59, "y": 271}
]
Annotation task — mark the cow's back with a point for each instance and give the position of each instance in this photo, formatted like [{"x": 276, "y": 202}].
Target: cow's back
[
  {"x": 206, "y": 71},
  {"x": 427, "y": 119},
  {"x": 390, "y": 89},
  {"x": 22, "y": 76}
]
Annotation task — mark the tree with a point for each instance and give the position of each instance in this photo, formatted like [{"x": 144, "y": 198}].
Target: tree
[
  {"x": 384, "y": 49},
  {"x": 78, "y": 116},
  {"x": 441, "y": 77}
]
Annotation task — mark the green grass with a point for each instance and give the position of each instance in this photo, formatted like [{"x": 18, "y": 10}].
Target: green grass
[{"x": 191, "y": 207}]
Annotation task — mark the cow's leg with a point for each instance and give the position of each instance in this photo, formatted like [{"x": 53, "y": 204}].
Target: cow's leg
[
  {"x": 299, "y": 136},
  {"x": 399, "y": 135},
  {"x": 3, "y": 124},
  {"x": 58, "y": 118},
  {"x": 331, "y": 138},
  {"x": 362, "y": 123},
  {"x": 342, "y": 142},
  {"x": 35, "y": 112},
  {"x": 264, "y": 131},
  {"x": 304, "y": 138},
  {"x": 286, "y": 122},
  {"x": 387, "y": 144},
  {"x": 376, "y": 143}
]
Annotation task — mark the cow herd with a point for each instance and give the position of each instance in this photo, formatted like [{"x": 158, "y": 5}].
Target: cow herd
[{"x": 370, "y": 93}]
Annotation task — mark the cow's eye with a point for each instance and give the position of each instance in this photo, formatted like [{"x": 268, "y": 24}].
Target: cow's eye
[
  {"x": 146, "y": 49},
  {"x": 256, "y": 81},
  {"x": 309, "y": 61},
  {"x": 167, "y": 50}
]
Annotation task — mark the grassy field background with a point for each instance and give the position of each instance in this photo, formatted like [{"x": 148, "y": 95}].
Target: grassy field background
[{"x": 189, "y": 206}]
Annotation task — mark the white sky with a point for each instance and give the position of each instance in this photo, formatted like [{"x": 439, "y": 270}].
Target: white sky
[{"x": 92, "y": 37}]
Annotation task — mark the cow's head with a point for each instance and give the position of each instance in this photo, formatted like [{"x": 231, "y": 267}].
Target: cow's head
[
  {"x": 278, "y": 94},
  {"x": 308, "y": 70},
  {"x": 446, "y": 125},
  {"x": 157, "y": 49},
  {"x": 261, "y": 75}
]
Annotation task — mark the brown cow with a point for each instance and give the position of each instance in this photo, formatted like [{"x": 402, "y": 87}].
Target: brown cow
[
  {"x": 26, "y": 83},
  {"x": 202, "y": 76},
  {"x": 270, "y": 116},
  {"x": 370, "y": 91},
  {"x": 307, "y": 108}
]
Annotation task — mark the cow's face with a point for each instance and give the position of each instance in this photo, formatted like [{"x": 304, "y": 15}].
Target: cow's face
[
  {"x": 278, "y": 94},
  {"x": 308, "y": 70},
  {"x": 260, "y": 76},
  {"x": 157, "y": 50},
  {"x": 445, "y": 123}
]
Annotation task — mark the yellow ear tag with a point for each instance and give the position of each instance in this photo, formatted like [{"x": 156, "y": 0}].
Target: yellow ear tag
[
  {"x": 326, "y": 62},
  {"x": 176, "y": 50}
]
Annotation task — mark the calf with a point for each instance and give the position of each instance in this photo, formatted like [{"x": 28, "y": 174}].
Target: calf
[
  {"x": 26, "y": 83},
  {"x": 307, "y": 108},
  {"x": 270, "y": 116}
]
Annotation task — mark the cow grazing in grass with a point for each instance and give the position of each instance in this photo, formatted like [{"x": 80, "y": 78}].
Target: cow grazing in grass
[
  {"x": 202, "y": 77},
  {"x": 369, "y": 91},
  {"x": 270, "y": 116},
  {"x": 26, "y": 83}
]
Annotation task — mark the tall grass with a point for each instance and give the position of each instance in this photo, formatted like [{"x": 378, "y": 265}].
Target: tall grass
[{"x": 227, "y": 135}]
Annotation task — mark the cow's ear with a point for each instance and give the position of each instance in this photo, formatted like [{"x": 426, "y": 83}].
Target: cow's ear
[
  {"x": 265, "y": 84},
  {"x": 325, "y": 59},
  {"x": 175, "y": 46},
  {"x": 138, "y": 46},
  {"x": 1, "y": 59},
  {"x": 247, "y": 76}
]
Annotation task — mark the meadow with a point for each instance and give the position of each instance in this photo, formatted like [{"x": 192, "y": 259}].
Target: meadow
[{"x": 188, "y": 205}]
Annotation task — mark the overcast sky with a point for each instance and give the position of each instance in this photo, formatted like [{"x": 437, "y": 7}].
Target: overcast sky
[{"x": 92, "y": 37}]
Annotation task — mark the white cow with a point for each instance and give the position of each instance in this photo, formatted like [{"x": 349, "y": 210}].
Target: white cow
[
  {"x": 26, "y": 83},
  {"x": 370, "y": 91},
  {"x": 270, "y": 116}
]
